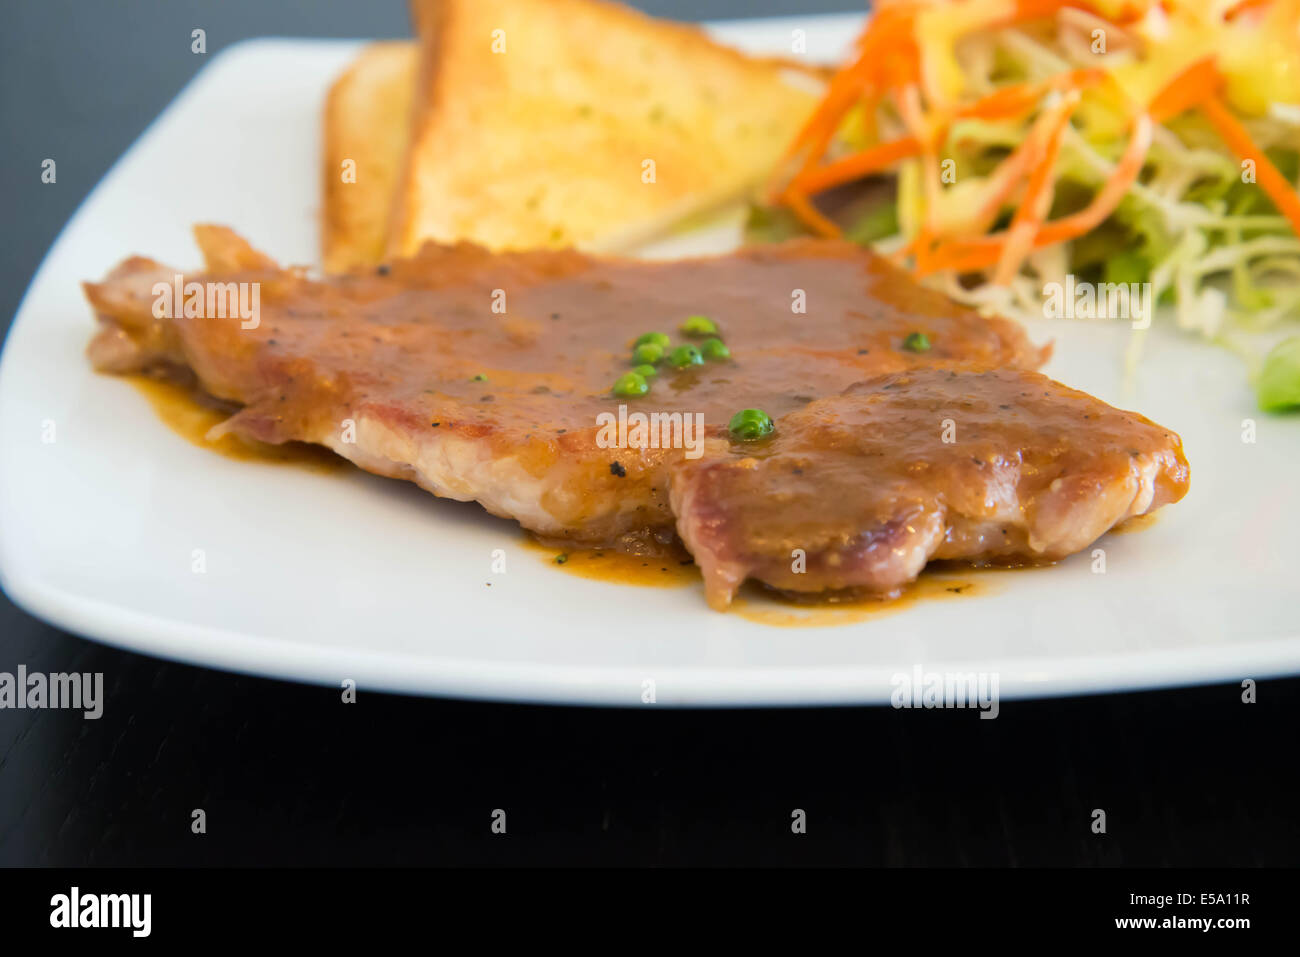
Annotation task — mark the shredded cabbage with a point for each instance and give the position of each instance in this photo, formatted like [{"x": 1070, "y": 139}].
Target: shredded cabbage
[{"x": 1223, "y": 262}]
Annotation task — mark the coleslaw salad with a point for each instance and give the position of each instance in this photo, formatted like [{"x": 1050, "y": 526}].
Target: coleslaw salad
[{"x": 1112, "y": 141}]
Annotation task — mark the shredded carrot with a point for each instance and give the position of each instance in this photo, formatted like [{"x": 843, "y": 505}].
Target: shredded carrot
[
  {"x": 886, "y": 38},
  {"x": 845, "y": 87},
  {"x": 848, "y": 168},
  {"x": 811, "y": 217},
  {"x": 890, "y": 63},
  {"x": 1112, "y": 191},
  {"x": 960, "y": 256},
  {"x": 1017, "y": 99},
  {"x": 1282, "y": 193},
  {"x": 921, "y": 247},
  {"x": 983, "y": 252},
  {"x": 1009, "y": 173},
  {"x": 1039, "y": 192},
  {"x": 1199, "y": 85},
  {"x": 1237, "y": 9},
  {"x": 1006, "y": 177},
  {"x": 909, "y": 108},
  {"x": 1188, "y": 88}
]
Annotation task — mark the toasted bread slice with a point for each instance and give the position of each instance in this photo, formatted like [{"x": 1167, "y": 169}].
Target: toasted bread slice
[
  {"x": 582, "y": 123},
  {"x": 367, "y": 121}
]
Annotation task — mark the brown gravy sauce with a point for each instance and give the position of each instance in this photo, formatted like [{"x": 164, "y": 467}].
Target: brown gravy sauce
[
  {"x": 942, "y": 581},
  {"x": 762, "y": 606},
  {"x": 191, "y": 415},
  {"x": 672, "y": 569}
]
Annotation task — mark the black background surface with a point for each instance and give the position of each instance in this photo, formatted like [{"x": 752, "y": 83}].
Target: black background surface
[{"x": 288, "y": 774}]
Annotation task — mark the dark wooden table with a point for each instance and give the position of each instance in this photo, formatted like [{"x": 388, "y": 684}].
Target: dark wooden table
[{"x": 289, "y": 775}]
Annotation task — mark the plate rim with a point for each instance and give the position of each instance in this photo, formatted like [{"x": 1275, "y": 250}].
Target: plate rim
[{"x": 539, "y": 683}]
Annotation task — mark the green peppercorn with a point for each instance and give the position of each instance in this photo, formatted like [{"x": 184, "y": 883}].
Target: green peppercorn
[
  {"x": 648, "y": 353},
  {"x": 658, "y": 338},
  {"x": 699, "y": 326},
  {"x": 750, "y": 424},
  {"x": 684, "y": 356},
  {"x": 715, "y": 350},
  {"x": 632, "y": 384}
]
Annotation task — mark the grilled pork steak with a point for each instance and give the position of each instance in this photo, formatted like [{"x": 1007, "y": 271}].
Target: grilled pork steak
[
  {"x": 860, "y": 490},
  {"x": 482, "y": 378},
  {"x": 500, "y": 407}
]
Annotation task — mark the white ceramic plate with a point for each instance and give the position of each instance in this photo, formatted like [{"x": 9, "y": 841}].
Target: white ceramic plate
[{"x": 321, "y": 577}]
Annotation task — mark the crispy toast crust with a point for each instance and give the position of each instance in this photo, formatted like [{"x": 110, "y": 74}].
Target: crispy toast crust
[
  {"x": 535, "y": 122},
  {"x": 367, "y": 121}
]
